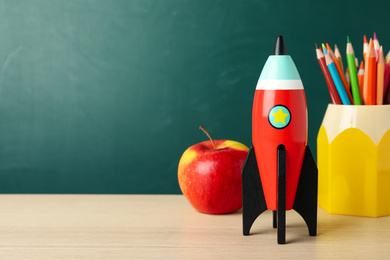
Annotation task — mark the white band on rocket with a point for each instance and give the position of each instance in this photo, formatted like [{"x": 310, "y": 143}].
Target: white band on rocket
[{"x": 279, "y": 84}]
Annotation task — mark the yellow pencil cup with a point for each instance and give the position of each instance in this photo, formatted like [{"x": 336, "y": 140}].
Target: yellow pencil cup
[{"x": 353, "y": 156}]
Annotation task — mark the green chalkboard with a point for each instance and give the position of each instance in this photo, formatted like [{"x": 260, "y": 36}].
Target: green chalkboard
[{"x": 104, "y": 96}]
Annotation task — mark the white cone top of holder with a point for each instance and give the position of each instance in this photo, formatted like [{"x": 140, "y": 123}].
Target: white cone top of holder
[{"x": 372, "y": 120}]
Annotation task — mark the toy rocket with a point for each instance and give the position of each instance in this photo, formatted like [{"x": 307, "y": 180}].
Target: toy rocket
[{"x": 279, "y": 173}]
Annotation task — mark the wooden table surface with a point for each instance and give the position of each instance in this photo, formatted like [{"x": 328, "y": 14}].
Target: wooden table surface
[{"x": 167, "y": 227}]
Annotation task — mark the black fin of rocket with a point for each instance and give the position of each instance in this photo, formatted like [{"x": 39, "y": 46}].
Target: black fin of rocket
[
  {"x": 280, "y": 46},
  {"x": 305, "y": 202},
  {"x": 253, "y": 200}
]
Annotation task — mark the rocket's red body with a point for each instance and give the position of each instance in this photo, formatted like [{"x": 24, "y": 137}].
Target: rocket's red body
[{"x": 266, "y": 139}]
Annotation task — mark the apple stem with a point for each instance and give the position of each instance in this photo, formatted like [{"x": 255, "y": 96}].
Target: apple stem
[{"x": 211, "y": 139}]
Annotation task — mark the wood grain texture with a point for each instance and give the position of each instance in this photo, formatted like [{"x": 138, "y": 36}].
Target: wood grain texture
[{"x": 167, "y": 227}]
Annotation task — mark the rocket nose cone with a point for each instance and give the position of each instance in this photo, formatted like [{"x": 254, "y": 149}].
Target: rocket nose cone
[{"x": 280, "y": 47}]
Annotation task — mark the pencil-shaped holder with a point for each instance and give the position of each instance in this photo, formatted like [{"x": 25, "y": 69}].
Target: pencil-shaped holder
[{"x": 353, "y": 159}]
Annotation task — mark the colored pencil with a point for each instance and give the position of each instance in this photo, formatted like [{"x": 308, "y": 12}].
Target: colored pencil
[
  {"x": 347, "y": 77},
  {"x": 369, "y": 87},
  {"x": 352, "y": 73},
  {"x": 386, "y": 80},
  {"x": 380, "y": 73},
  {"x": 337, "y": 64},
  {"x": 361, "y": 78},
  {"x": 339, "y": 58},
  {"x": 357, "y": 69},
  {"x": 324, "y": 50},
  {"x": 386, "y": 100},
  {"x": 337, "y": 81},
  {"x": 360, "y": 82},
  {"x": 387, "y": 58},
  {"x": 376, "y": 46},
  {"x": 341, "y": 74},
  {"x": 328, "y": 78},
  {"x": 365, "y": 46}
]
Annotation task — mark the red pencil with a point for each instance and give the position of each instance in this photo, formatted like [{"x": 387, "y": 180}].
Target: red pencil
[{"x": 334, "y": 95}]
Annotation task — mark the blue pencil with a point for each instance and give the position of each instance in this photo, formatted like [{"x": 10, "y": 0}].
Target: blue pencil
[{"x": 337, "y": 80}]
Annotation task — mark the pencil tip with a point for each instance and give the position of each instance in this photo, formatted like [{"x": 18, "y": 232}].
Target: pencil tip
[
  {"x": 324, "y": 48},
  {"x": 375, "y": 36},
  {"x": 348, "y": 41},
  {"x": 365, "y": 39},
  {"x": 316, "y": 45}
]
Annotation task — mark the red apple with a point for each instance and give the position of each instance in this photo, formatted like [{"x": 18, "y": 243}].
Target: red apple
[{"x": 210, "y": 175}]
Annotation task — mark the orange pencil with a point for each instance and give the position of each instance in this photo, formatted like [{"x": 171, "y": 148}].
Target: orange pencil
[
  {"x": 369, "y": 87},
  {"x": 361, "y": 77},
  {"x": 339, "y": 58},
  {"x": 365, "y": 46},
  {"x": 380, "y": 77}
]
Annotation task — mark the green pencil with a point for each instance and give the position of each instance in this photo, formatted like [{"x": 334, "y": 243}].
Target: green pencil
[{"x": 352, "y": 73}]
